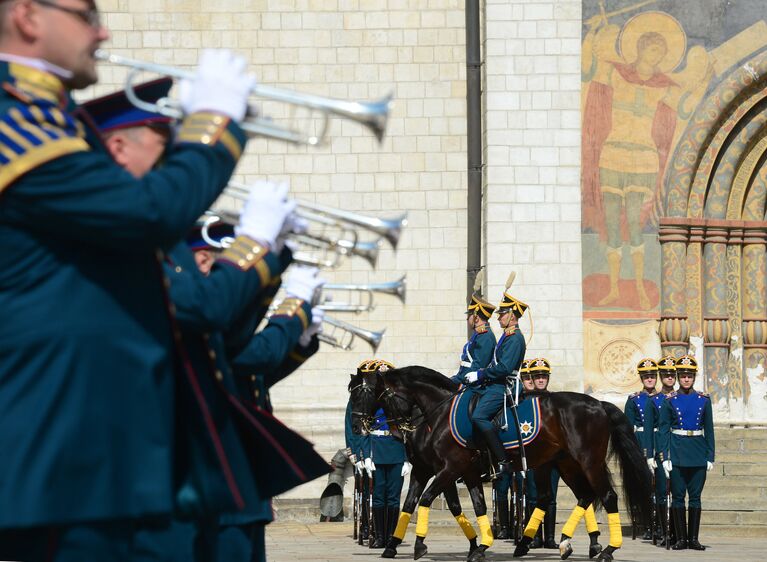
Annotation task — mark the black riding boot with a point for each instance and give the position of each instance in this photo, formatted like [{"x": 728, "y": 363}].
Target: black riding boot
[
  {"x": 661, "y": 531},
  {"x": 503, "y": 520},
  {"x": 379, "y": 526},
  {"x": 392, "y": 517},
  {"x": 694, "y": 524},
  {"x": 495, "y": 445},
  {"x": 364, "y": 528},
  {"x": 549, "y": 524},
  {"x": 680, "y": 527}
]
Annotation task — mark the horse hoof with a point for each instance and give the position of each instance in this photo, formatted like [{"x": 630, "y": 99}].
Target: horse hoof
[
  {"x": 606, "y": 555},
  {"x": 389, "y": 553},
  {"x": 594, "y": 549},
  {"x": 522, "y": 548},
  {"x": 478, "y": 554},
  {"x": 419, "y": 550},
  {"x": 565, "y": 549},
  {"x": 472, "y": 547}
]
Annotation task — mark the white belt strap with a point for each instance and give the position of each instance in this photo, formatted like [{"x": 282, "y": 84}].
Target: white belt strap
[
  {"x": 466, "y": 364},
  {"x": 638, "y": 429},
  {"x": 687, "y": 432}
]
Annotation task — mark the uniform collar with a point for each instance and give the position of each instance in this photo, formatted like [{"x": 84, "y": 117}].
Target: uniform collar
[
  {"x": 510, "y": 331},
  {"x": 481, "y": 329},
  {"x": 33, "y": 79}
]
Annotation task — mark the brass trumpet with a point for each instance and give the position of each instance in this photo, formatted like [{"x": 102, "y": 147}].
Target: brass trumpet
[
  {"x": 319, "y": 250},
  {"x": 364, "y": 302},
  {"x": 390, "y": 229},
  {"x": 372, "y": 115},
  {"x": 343, "y": 334}
]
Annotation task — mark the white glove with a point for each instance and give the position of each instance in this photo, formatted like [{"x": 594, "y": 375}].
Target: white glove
[
  {"x": 370, "y": 466},
  {"x": 220, "y": 85},
  {"x": 314, "y": 328},
  {"x": 360, "y": 466},
  {"x": 709, "y": 466},
  {"x": 469, "y": 378},
  {"x": 265, "y": 212},
  {"x": 651, "y": 464},
  {"x": 295, "y": 225},
  {"x": 667, "y": 468},
  {"x": 303, "y": 282},
  {"x": 406, "y": 468}
]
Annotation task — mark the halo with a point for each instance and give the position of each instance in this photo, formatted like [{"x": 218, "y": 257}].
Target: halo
[{"x": 660, "y": 22}]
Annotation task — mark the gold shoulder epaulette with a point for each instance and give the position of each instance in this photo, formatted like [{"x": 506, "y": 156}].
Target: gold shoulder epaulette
[
  {"x": 210, "y": 129},
  {"x": 510, "y": 331},
  {"x": 481, "y": 329},
  {"x": 292, "y": 307},
  {"x": 246, "y": 253},
  {"x": 34, "y": 136}
]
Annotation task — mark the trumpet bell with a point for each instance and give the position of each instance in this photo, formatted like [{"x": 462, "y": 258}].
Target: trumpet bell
[{"x": 343, "y": 334}]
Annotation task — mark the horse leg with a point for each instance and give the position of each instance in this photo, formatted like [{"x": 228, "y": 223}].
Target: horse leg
[
  {"x": 576, "y": 480},
  {"x": 415, "y": 488},
  {"x": 543, "y": 485},
  {"x": 441, "y": 481},
  {"x": 600, "y": 483},
  {"x": 454, "y": 504},
  {"x": 477, "y": 494}
]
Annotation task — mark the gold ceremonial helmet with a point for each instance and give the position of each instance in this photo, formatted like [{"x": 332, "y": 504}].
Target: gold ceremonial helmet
[
  {"x": 509, "y": 303},
  {"x": 647, "y": 366},
  {"x": 667, "y": 364},
  {"x": 685, "y": 364},
  {"x": 539, "y": 365}
]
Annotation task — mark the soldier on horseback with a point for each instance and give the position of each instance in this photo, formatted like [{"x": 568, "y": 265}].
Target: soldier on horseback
[
  {"x": 503, "y": 369},
  {"x": 478, "y": 351}
]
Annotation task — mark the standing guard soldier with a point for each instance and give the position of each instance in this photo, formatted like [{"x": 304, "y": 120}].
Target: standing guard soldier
[
  {"x": 359, "y": 445},
  {"x": 478, "y": 351},
  {"x": 502, "y": 484},
  {"x": 639, "y": 409},
  {"x": 389, "y": 462},
  {"x": 686, "y": 439},
  {"x": 667, "y": 376},
  {"x": 540, "y": 370}
]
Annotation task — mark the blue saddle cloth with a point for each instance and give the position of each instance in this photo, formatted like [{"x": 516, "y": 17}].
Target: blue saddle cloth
[{"x": 529, "y": 412}]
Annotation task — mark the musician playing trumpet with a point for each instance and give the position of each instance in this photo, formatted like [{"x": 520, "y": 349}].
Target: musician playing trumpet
[
  {"x": 87, "y": 383},
  {"x": 217, "y": 313}
]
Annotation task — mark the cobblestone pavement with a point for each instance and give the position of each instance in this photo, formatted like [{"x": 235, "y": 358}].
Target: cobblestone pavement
[{"x": 331, "y": 542}]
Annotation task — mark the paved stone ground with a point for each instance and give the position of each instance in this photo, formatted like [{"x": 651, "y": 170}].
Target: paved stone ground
[{"x": 331, "y": 542}]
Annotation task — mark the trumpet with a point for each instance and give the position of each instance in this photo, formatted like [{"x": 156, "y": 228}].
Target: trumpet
[
  {"x": 373, "y": 115},
  {"x": 319, "y": 250},
  {"x": 343, "y": 334},
  {"x": 389, "y": 229},
  {"x": 364, "y": 302}
]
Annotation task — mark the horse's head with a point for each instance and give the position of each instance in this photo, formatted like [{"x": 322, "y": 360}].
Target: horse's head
[{"x": 364, "y": 400}]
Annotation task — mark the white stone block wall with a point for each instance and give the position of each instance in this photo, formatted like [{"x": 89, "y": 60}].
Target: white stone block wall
[
  {"x": 363, "y": 49},
  {"x": 532, "y": 179}
]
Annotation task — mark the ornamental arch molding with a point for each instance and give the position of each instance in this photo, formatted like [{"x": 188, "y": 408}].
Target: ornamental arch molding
[{"x": 713, "y": 237}]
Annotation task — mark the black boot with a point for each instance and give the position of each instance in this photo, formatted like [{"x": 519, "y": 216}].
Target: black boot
[
  {"x": 495, "y": 445},
  {"x": 694, "y": 524},
  {"x": 549, "y": 524},
  {"x": 647, "y": 535},
  {"x": 363, "y": 536},
  {"x": 503, "y": 520},
  {"x": 661, "y": 530},
  {"x": 379, "y": 526},
  {"x": 680, "y": 527},
  {"x": 392, "y": 517}
]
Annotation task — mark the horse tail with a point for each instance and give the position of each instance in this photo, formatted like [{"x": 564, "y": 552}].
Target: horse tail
[{"x": 635, "y": 476}]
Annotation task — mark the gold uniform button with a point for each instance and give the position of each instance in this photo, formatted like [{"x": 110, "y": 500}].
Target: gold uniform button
[
  {"x": 212, "y": 354},
  {"x": 219, "y": 376},
  {"x": 178, "y": 269},
  {"x": 205, "y": 139}
]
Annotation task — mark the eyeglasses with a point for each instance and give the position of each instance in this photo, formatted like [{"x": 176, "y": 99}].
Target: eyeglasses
[{"x": 90, "y": 17}]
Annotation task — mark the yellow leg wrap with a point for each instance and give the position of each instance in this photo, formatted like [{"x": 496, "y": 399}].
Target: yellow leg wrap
[
  {"x": 535, "y": 521},
  {"x": 616, "y": 536},
  {"x": 422, "y": 526},
  {"x": 402, "y": 523},
  {"x": 591, "y": 519},
  {"x": 572, "y": 522},
  {"x": 485, "y": 531},
  {"x": 466, "y": 526}
]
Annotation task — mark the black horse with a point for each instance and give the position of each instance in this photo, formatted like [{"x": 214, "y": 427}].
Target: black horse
[
  {"x": 413, "y": 438},
  {"x": 576, "y": 432}
]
